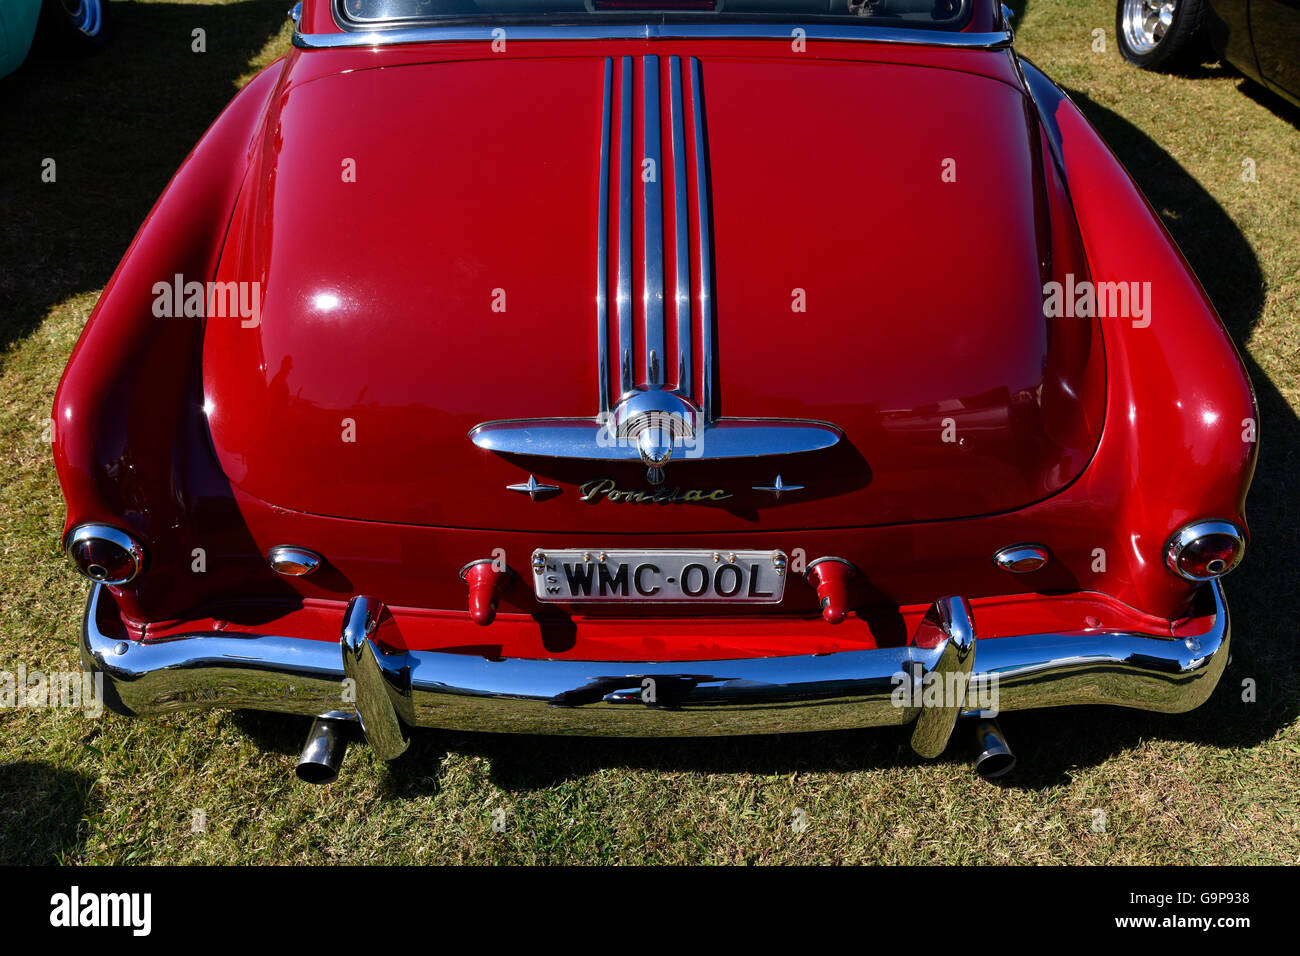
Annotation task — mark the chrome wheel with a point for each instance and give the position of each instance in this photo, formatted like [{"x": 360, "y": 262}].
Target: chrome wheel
[
  {"x": 86, "y": 15},
  {"x": 1147, "y": 21}
]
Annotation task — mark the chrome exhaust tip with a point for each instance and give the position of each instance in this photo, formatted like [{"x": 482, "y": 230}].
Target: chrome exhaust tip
[
  {"x": 994, "y": 758},
  {"x": 323, "y": 752}
]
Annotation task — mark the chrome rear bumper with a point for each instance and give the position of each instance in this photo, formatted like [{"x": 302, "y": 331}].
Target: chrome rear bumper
[{"x": 388, "y": 691}]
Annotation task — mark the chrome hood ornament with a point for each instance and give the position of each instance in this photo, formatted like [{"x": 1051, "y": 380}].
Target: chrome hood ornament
[
  {"x": 654, "y": 422},
  {"x": 647, "y": 418}
]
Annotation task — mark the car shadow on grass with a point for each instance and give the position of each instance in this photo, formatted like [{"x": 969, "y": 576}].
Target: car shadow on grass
[
  {"x": 42, "y": 813},
  {"x": 1254, "y": 699},
  {"x": 271, "y": 732},
  {"x": 1273, "y": 102},
  {"x": 116, "y": 125}
]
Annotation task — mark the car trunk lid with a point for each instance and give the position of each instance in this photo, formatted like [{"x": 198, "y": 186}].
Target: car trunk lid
[{"x": 425, "y": 239}]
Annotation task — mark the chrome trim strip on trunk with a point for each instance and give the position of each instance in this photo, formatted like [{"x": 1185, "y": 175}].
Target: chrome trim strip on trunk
[
  {"x": 649, "y": 421},
  {"x": 652, "y": 31},
  {"x": 602, "y": 246},
  {"x": 653, "y": 223},
  {"x": 702, "y": 215},
  {"x": 625, "y": 382},
  {"x": 602, "y": 698},
  {"x": 681, "y": 232}
]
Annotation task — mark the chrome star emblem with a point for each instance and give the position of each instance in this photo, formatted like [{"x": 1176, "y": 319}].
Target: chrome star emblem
[
  {"x": 777, "y": 487},
  {"x": 532, "y": 489}
]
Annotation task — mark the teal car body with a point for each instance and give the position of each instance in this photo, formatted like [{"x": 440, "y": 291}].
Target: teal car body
[{"x": 18, "y": 20}]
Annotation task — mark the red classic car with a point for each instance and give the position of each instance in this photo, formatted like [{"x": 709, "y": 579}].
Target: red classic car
[{"x": 653, "y": 368}]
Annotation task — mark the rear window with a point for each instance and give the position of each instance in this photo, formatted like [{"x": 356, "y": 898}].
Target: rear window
[{"x": 368, "y": 14}]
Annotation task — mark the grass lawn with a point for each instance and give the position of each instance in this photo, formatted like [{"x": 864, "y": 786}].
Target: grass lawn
[{"x": 1218, "y": 785}]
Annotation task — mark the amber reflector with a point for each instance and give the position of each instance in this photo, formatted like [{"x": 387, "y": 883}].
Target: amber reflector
[{"x": 293, "y": 561}]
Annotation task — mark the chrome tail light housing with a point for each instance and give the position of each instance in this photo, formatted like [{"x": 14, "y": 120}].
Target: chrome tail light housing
[
  {"x": 1205, "y": 550},
  {"x": 105, "y": 554}
]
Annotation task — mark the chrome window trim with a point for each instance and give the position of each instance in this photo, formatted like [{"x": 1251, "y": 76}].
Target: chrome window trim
[{"x": 652, "y": 31}]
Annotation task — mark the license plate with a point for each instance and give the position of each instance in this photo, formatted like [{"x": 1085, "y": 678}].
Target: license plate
[{"x": 658, "y": 577}]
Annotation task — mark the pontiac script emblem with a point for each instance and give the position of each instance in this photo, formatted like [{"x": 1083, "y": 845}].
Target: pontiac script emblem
[{"x": 599, "y": 488}]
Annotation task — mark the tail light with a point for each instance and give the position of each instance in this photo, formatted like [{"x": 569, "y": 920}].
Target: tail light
[
  {"x": 105, "y": 554},
  {"x": 1204, "y": 550}
]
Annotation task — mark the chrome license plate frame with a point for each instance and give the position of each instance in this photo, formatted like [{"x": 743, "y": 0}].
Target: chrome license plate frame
[{"x": 638, "y": 576}]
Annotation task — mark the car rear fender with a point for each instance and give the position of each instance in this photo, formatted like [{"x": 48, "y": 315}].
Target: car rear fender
[
  {"x": 1182, "y": 427},
  {"x": 129, "y": 446}
]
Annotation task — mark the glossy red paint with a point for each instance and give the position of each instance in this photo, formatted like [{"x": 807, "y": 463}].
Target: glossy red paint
[
  {"x": 821, "y": 283},
  {"x": 1093, "y": 437}
]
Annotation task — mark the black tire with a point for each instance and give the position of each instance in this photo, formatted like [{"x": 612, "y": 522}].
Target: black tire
[
  {"x": 74, "y": 27},
  {"x": 1181, "y": 45}
]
